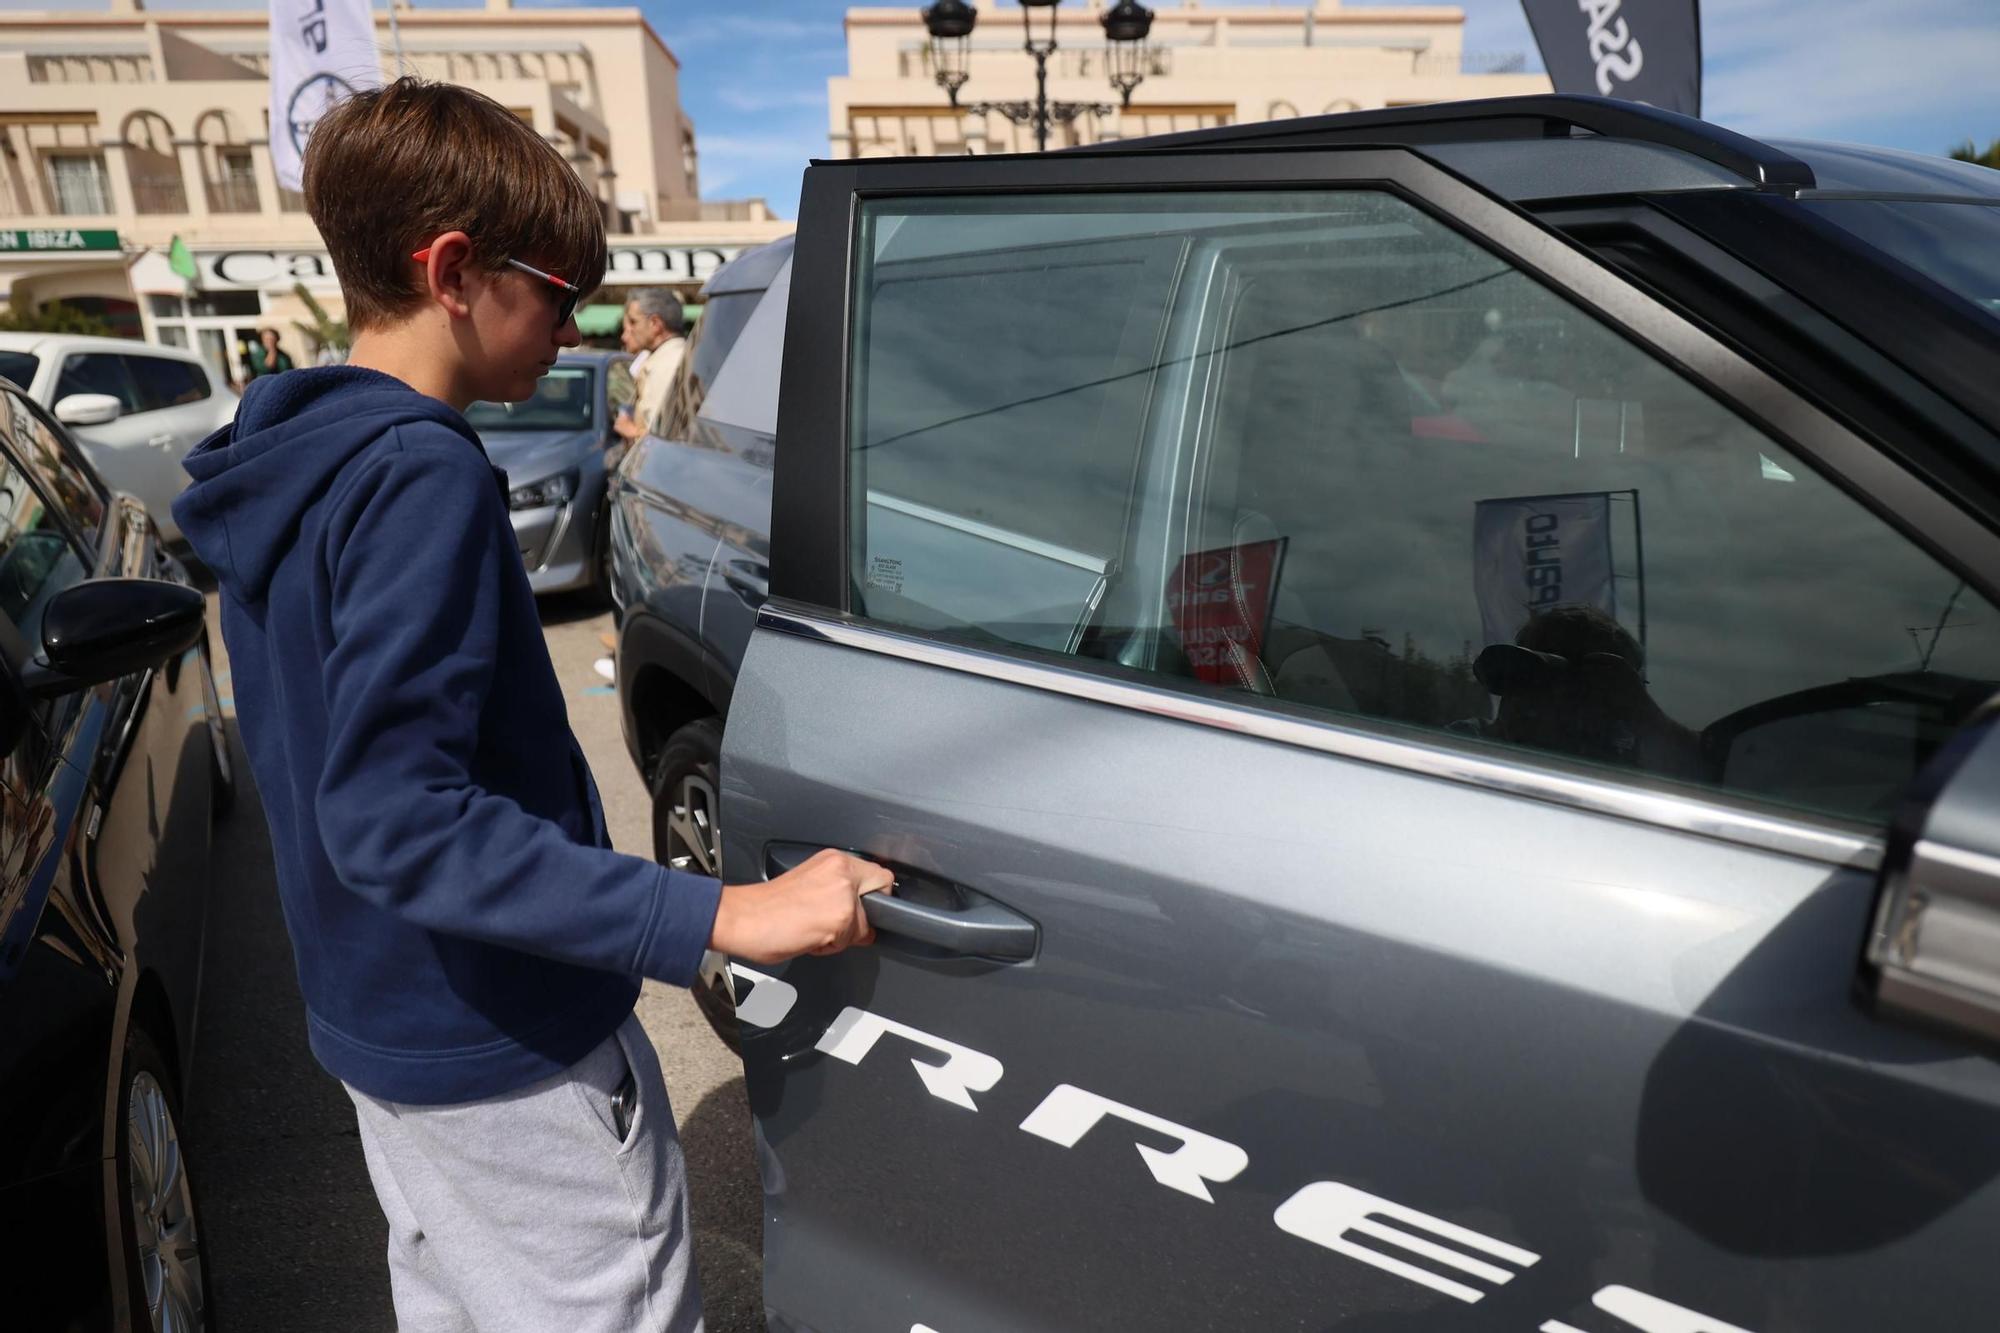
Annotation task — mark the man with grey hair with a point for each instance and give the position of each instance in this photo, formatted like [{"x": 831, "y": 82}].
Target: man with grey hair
[{"x": 655, "y": 333}]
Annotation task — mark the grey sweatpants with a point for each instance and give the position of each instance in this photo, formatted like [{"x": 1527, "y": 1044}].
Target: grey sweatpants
[{"x": 526, "y": 1212}]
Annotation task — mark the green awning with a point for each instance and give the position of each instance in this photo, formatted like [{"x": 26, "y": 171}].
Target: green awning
[{"x": 596, "y": 321}]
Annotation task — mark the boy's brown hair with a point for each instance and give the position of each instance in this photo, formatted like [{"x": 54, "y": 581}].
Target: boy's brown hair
[{"x": 389, "y": 168}]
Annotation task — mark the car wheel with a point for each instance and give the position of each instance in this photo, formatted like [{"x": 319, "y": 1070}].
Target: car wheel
[
  {"x": 162, "y": 1226},
  {"x": 222, "y": 766},
  {"x": 686, "y": 836}
]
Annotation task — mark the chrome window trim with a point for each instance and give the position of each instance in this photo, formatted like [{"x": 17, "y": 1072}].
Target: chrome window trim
[{"x": 1762, "y": 831}]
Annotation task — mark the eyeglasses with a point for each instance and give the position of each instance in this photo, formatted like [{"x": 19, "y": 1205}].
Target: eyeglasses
[{"x": 571, "y": 293}]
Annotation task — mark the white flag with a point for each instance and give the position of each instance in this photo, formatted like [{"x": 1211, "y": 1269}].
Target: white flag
[
  {"x": 321, "y": 51},
  {"x": 1533, "y": 552}
]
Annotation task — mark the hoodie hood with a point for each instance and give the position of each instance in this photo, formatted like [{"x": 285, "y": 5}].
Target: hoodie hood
[{"x": 255, "y": 479}]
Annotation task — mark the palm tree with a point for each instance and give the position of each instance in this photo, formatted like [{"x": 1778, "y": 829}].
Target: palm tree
[{"x": 324, "y": 331}]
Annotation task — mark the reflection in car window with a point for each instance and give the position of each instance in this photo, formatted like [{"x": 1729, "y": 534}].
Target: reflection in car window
[
  {"x": 1386, "y": 476},
  {"x": 56, "y": 467},
  {"x": 561, "y": 401},
  {"x": 99, "y": 372},
  {"x": 38, "y": 555},
  {"x": 1956, "y": 244},
  {"x": 19, "y": 367}
]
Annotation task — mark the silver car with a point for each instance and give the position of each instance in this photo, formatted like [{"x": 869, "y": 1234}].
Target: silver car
[
  {"x": 1424, "y": 678},
  {"x": 135, "y": 408},
  {"x": 552, "y": 447}
]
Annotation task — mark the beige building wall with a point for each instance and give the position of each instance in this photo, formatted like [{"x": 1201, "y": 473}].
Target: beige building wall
[
  {"x": 123, "y": 131},
  {"x": 1207, "y": 66}
]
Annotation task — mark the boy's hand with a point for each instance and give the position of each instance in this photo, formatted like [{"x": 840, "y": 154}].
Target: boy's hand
[{"x": 814, "y": 909}]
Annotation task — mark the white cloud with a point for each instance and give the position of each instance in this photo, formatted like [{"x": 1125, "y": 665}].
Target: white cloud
[
  {"x": 768, "y": 98},
  {"x": 1842, "y": 66}
]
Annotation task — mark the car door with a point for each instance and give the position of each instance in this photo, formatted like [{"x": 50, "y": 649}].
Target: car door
[
  {"x": 1385, "y": 734},
  {"x": 136, "y": 452}
]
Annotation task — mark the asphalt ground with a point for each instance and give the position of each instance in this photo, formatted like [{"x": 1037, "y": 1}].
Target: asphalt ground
[{"x": 294, "y": 1238}]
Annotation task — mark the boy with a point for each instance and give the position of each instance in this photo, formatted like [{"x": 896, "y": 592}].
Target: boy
[{"x": 468, "y": 945}]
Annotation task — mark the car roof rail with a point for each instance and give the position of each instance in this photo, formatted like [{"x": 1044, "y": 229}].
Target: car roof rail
[{"x": 1547, "y": 116}]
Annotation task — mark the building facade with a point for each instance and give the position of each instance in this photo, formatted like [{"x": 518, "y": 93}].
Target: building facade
[
  {"x": 1205, "y": 67},
  {"x": 122, "y": 133}
]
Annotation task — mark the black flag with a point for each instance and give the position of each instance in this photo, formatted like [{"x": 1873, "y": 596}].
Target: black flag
[{"x": 1640, "y": 50}]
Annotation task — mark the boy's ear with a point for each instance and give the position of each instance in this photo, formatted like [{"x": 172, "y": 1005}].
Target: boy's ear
[{"x": 447, "y": 268}]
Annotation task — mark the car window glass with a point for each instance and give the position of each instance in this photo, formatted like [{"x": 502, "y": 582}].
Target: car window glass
[
  {"x": 1958, "y": 244},
  {"x": 56, "y": 466},
  {"x": 39, "y": 556},
  {"x": 561, "y": 401},
  {"x": 721, "y": 323},
  {"x": 19, "y": 367},
  {"x": 1000, "y": 388},
  {"x": 99, "y": 372},
  {"x": 1388, "y": 477},
  {"x": 166, "y": 383}
]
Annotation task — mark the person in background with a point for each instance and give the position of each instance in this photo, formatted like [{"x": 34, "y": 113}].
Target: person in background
[
  {"x": 265, "y": 357},
  {"x": 655, "y": 332}
]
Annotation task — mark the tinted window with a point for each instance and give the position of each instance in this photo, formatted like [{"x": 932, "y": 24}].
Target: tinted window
[
  {"x": 561, "y": 401},
  {"x": 63, "y": 476},
  {"x": 19, "y": 367},
  {"x": 1958, "y": 245},
  {"x": 721, "y": 323},
  {"x": 100, "y": 372},
  {"x": 1377, "y": 472},
  {"x": 38, "y": 554},
  {"x": 165, "y": 383}
]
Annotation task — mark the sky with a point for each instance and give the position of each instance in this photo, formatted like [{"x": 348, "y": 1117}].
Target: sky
[{"x": 1916, "y": 74}]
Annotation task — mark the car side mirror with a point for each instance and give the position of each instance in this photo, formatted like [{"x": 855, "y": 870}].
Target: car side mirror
[
  {"x": 88, "y": 409},
  {"x": 101, "y": 629},
  {"x": 1935, "y": 946}
]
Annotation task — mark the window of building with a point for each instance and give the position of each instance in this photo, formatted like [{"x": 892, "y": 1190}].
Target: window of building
[{"x": 78, "y": 183}]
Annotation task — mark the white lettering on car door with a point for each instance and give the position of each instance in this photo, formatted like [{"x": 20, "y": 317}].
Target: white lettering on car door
[
  {"x": 1648, "y": 1313},
  {"x": 1327, "y": 1212},
  {"x": 769, "y": 1000},
  {"x": 1068, "y": 1113},
  {"x": 965, "y": 1071}
]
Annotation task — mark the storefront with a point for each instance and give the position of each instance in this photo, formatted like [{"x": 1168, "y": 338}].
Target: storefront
[{"x": 81, "y": 267}]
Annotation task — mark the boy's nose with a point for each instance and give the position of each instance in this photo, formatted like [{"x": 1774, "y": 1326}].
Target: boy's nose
[{"x": 569, "y": 335}]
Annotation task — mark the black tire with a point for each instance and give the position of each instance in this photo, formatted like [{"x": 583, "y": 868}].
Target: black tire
[
  {"x": 162, "y": 1232},
  {"x": 687, "y": 781}
]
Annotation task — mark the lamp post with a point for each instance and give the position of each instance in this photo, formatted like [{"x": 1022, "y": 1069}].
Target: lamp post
[{"x": 1126, "y": 27}]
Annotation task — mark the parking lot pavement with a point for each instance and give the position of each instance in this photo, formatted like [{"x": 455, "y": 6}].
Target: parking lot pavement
[{"x": 294, "y": 1237}]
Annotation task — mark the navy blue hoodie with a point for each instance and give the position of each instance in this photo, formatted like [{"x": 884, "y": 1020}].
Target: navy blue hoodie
[{"x": 460, "y": 924}]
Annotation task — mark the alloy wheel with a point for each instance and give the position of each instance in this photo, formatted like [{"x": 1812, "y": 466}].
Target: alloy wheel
[
  {"x": 694, "y": 839},
  {"x": 162, "y": 1207}
]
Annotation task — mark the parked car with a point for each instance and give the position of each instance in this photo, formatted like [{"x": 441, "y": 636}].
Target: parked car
[
  {"x": 693, "y": 501},
  {"x": 553, "y": 447},
  {"x": 1423, "y": 675},
  {"x": 134, "y": 408},
  {"x": 115, "y": 761}
]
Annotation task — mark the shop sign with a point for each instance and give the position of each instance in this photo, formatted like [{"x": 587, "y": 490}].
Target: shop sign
[
  {"x": 56, "y": 239},
  {"x": 630, "y": 265}
]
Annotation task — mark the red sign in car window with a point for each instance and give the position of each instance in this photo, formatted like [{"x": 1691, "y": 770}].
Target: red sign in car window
[{"x": 1220, "y": 602}]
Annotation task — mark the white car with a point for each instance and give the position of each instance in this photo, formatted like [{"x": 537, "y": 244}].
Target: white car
[{"x": 136, "y": 408}]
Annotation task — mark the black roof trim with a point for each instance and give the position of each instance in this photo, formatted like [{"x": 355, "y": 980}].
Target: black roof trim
[{"x": 1546, "y": 116}]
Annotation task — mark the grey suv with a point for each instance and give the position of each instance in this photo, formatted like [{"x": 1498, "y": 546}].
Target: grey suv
[{"x": 1423, "y": 676}]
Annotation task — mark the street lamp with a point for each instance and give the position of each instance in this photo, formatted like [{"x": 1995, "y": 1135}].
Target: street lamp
[
  {"x": 950, "y": 23},
  {"x": 1127, "y": 24}
]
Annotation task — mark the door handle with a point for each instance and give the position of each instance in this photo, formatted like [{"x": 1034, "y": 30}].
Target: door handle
[{"x": 945, "y": 916}]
